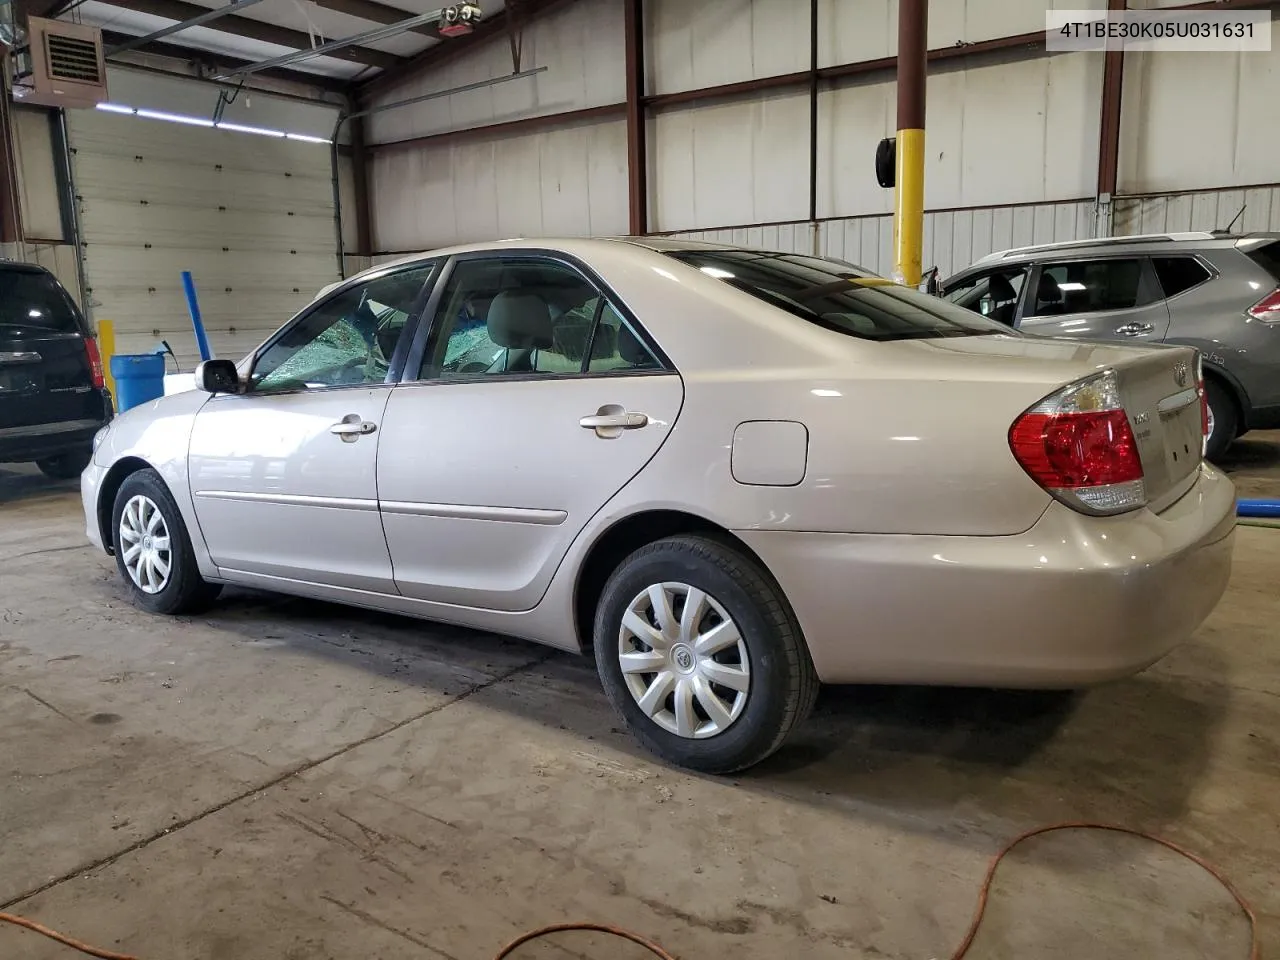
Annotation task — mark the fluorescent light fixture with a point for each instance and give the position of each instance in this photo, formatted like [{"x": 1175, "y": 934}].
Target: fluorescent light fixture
[
  {"x": 1070, "y": 286},
  {"x": 717, "y": 273},
  {"x": 202, "y": 122},
  {"x": 174, "y": 118},
  {"x": 238, "y": 128},
  {"x": 825, "y": 392}
]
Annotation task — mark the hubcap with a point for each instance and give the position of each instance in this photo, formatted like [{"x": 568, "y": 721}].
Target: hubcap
[
  {"x": 144, "y": 538},
  {"x": 1209, "y": 409},
  {"x": 684, "y": 661}
]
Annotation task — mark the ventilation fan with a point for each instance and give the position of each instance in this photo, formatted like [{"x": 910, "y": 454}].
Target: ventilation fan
[{"x": 63, "y": 66}]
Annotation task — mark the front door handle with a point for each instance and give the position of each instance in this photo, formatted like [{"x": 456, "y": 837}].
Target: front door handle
[
  {"x": 610, "y": 420},
  {"x": 1134, "y": 329},
  {"x": 351, "y": 428}
]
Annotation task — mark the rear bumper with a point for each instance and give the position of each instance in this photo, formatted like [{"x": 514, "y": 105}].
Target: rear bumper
[
  {"x": 24, "y": 444},
  {"x": 1073, "y": 601}
]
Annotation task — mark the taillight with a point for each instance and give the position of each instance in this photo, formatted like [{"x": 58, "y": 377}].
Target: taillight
[
  {"x": 95, "y": 363},
  {"x": 1078, "y": 445},
  {"x": 1268, "y": 308}
]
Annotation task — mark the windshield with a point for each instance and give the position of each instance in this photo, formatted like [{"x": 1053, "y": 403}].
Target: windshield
[
  {"x": 839, "y": 296},
  {"x": 33, "y": 303}
]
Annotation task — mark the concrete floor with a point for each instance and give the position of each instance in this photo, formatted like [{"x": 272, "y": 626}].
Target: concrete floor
[{"x": 286, "y": 779}]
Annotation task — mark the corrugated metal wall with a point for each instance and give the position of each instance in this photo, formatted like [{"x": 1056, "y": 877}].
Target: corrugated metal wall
[{"x": 1011, "y": 148}]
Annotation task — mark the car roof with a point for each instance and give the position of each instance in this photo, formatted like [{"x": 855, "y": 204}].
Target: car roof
[
  {"x": 1144, "y": 243},
  {"x": 572, "y": 245},
  {"x": 1139, "y": 243}
]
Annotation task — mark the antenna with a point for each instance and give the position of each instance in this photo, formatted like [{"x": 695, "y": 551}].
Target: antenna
[{"x": 1227, "y": 231}]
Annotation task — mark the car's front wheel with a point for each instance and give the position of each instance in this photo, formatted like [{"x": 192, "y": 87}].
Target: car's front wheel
[
  {"x": 153, "y": 550},
  {"x": 701, "y": 655}
]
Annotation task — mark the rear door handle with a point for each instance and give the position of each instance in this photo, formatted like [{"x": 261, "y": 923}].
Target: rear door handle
[
  {"x": 1134, "y": 329},
  {"x": 351, "y": 428},
  {"x": 611, "y": 419}
]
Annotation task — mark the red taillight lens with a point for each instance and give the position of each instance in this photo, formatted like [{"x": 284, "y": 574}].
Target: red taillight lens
[
  {"x": 1268, "y": 308},
  {"x": 1078, "y": 445},
  {"x": 95, "y": 363},
  {"x": 1066, "y": 451}
]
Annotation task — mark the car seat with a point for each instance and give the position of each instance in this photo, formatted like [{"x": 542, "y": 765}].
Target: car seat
[
  {"x": 519, "y": 320},
  {"x": 1048, "y": 296},
  {"x": 1004, "y": 299}
]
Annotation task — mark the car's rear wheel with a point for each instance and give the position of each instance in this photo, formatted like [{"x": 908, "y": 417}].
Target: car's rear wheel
[
  {"x": 1223, "y": 420},
  {"x": 153, "y": 551},
  {"x": 65, "y": 466},
  {"x": 701, "y": 655}
]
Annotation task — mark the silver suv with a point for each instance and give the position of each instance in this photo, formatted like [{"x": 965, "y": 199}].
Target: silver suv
[{"x": 1219, "y": 293}]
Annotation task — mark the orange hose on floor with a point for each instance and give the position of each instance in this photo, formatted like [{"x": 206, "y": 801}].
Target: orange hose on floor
[
  {"x": 63, "y": 938},
  {"x": 962, "y": 951}
]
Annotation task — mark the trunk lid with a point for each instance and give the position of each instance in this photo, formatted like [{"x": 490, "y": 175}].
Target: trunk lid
[
  {"x": 45, "y": 375},
  {"x": 1157, "y": 387}
]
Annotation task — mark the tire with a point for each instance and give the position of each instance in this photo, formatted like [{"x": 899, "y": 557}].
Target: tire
[
  {"x": 179, "y": 590},
  {"x": 1223, "y": 417},
  {"x": 65, "y": 466},
  {"x": 780, "y": 682}
]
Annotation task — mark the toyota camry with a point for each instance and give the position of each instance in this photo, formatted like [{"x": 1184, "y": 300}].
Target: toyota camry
[{"x": 731, "y": 474}]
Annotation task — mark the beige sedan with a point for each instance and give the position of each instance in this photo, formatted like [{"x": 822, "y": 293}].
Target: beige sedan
[{"x": 735, "y": 474}]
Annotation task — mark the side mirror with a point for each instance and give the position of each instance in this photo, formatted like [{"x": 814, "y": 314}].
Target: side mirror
[{"x": 218, "y": 376}]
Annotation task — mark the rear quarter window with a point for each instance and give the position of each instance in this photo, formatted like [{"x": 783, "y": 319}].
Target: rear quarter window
[
  {"x": 33, "y": 303},
  {"x": 1267, "y": 257},
  {"x": 1179, "y": 274}
]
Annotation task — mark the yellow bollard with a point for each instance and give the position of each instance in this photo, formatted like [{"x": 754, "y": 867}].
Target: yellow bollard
[{"x": 107, "y": 348}]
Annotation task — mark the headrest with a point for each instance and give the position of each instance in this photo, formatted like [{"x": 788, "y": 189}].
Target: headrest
[
  {"x": 1001, "y": 289},
  {"x": 1049, "y": 291},
  {"x": 630, "y": 348},
  {"x": 519, "y": 321}
]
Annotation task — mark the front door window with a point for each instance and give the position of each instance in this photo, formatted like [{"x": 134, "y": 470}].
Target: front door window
[{"x": 346, "y": 341}]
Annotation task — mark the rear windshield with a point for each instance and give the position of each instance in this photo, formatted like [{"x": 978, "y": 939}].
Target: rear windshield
[
  {"x": 840, "y": 296},
  {"x": 1267, "y": 257},
  {"x": 33, "y": 303}
]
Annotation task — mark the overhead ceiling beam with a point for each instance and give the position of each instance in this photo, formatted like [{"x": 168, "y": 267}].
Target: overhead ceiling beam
[
  {"x": 376, "y": 12},
  {"x": 440, "y": 54},
  {"x": 220, "y": 62},
  {"x": 230, "y": 23},
  {"x": 308, "y": 53}
]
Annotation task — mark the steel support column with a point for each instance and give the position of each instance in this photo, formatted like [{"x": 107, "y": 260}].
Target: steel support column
[
  {"x": 1109, "y": 138},
  {"x": 908, "y": 203},
  {"x": 637, "y": 152},
  {"x": 360, "y": 183}
]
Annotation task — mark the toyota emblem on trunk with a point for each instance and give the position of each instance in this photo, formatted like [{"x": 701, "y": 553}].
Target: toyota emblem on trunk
[{"x": 1180, "y": 374}]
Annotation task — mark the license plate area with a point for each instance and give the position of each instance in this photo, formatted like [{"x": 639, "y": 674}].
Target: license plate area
[{"x": 1180, "y": 424}]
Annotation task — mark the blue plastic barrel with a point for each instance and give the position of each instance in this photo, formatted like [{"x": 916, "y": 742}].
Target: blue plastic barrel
[{"x": 139, "y": 378}]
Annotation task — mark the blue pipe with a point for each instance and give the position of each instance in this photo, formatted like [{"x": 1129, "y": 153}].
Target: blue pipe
[
  {"x": 1258, "y": 508},
  {"x": 189, "y": 285}
]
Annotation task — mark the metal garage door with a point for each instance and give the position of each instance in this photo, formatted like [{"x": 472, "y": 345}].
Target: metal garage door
[{"x": 250, "y": 216}]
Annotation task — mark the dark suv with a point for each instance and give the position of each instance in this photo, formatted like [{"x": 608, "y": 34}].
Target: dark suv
[
  {"x": 52, "y": 395},
  {"x": 1218, "y": 293}
]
